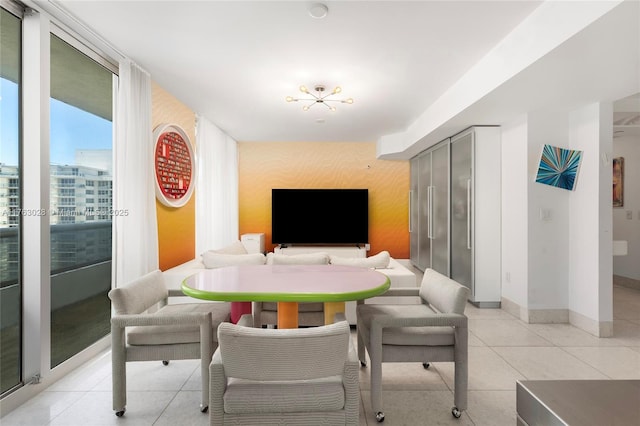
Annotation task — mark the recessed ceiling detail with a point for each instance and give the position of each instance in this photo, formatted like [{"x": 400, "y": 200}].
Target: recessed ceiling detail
[{"x": 318, "y": 10}]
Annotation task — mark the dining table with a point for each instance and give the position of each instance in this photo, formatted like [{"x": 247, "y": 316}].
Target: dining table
[{"x": 288, "y": 285}]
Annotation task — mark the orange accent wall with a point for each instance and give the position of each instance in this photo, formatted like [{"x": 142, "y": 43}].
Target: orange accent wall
[
  {"x": 267, "y": 165},
  {"x": 176, "y": 226}
]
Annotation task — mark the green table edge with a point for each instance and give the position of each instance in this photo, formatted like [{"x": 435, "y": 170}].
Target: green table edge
[{"x": 281, "y": 297}]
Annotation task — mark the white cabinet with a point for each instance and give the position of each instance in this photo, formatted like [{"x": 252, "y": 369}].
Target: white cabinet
[
  {"x": 253, "y": 243},
  {"x": 429, "y": 209},
  {"x": 455, "y": 211},
  {"x": 475, "y": 213}
]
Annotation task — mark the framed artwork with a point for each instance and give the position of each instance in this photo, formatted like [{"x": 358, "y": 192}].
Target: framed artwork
[
  {"x": 559, "y": 167},
  {"x": 174, "y": 165},
  {"x": 618, "y": 182}
]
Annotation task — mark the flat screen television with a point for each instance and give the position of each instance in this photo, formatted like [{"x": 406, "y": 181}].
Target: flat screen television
[{"x": 320, "y": 216}]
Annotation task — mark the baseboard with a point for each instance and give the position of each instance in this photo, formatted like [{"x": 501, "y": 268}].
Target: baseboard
[
  {"x": 548, "y": 316},
  {"x": 511, "y": 307},
  {"x": 486, "y": 305},
  {"x": 597, "y": 328},
  {"x": 558, "y": 316}
]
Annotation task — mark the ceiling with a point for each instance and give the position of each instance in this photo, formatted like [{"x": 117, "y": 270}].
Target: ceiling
[{"x": 235, "y": 62}]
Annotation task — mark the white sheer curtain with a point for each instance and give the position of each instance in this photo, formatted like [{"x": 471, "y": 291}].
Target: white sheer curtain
[
  {"x": 217, "y": 187},
  {"x": 136, "y": 229}
]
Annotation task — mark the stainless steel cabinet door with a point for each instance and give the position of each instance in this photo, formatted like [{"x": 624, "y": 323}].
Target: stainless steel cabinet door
[
  {"x": 414, "y": 229},
  {"x": 439, "y": 202},
  {"x": 462, "y": 210},
  {"x": 424, "y": 178}
]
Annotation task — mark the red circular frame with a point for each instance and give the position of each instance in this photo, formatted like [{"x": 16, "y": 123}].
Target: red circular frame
[{"x": 174, "y": 165}]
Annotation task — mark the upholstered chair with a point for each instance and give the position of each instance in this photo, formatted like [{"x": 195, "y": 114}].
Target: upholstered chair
[
  {"x": 433, "y": 331},
  {"x": 144, "y": 327},
  {"x": 303, "y": 376}
]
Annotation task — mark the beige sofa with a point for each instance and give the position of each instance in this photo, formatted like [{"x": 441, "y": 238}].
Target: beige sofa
[
  {"x": 174, "y": 276},
  {"x": 399, "y": 275}
]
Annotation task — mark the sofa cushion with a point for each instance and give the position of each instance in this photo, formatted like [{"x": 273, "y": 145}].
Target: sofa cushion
[
  {"x": 235, "y": 248},
  {"x": 320, "y": 258},
  {"x": 216, "y": 260},
  {"x": 378, "y": 261},
  {"x": 172, "y": 334}
]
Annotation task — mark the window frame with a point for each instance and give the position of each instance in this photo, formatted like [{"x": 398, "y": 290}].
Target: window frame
[{"x": 39, "y": 22}]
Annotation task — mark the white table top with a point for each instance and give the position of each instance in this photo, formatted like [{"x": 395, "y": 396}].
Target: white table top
[{"x": 286, "y": 283}]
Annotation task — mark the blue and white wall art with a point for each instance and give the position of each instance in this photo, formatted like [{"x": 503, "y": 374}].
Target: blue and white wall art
[{"x": 559, "y": 167}]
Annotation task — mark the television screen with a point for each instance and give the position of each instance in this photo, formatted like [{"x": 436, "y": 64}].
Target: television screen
[{"x": 319, "y": 216}]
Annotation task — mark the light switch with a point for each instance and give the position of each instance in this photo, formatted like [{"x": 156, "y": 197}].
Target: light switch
[
  {"x": 629, "y": 214},
  {"x": 545, "y": 215}
]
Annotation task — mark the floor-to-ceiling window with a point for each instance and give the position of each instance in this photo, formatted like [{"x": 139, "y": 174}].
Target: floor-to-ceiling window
[
  {"x": 80, "y": 199},
  {"x": 10, "y": 204},
  {"x": 56, "y": 129}
]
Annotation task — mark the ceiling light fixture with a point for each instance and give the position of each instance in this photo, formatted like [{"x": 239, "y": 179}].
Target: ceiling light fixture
[{"x": 320, "y": 97}]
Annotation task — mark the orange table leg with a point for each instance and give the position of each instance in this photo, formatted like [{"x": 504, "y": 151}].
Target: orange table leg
[
  {"x": 287, "y": 314},
  {"x": 330, "y": 309}
]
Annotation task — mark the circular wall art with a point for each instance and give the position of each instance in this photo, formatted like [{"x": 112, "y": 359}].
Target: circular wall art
[{"x": 175, "y": 165}]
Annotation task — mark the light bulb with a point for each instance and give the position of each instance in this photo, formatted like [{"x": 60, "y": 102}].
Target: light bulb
[
  {"x": 305, "y": 108},
  {"x": 332, "y": 108},
  {"x": 338, "y": 89},
  {"x": 303, "y": 89},
  {"x": 289, "y": 99},
  {"x": 348, "y": 101}
]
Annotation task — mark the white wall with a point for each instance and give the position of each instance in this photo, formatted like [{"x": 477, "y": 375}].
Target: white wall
[
  {"x": 623, "y": 228},
  {"x": 548, "y": 238},
  {"x": 556, "y": 243},
  {"x": 514, "y": 212},
  {"x": 590, "y": 259}
]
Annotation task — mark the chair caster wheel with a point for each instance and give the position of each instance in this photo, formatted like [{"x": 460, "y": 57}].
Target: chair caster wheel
[
  {"x": 120, "y": 413},
  {"x": 203, "y": 409},
  {"x": 456, "y": 413},
  {"x": 380, "y": 417},
  {"x": 363, "y": 363},
  {"x": 165, "y": 362},
  {"x": 425, "y": 365}
]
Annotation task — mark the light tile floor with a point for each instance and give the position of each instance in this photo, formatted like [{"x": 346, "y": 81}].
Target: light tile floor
[{"x": 502, "y": 350}]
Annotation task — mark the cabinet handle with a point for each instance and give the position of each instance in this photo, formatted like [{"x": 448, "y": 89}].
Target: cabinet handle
[
  {"x": 410, "y": 211},
  {"x": 469, "y": 214},
  {"x": 430, "y": 212}
]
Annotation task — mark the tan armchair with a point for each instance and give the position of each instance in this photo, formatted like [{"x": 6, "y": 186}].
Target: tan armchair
[
  {"x": 434, "y": 331},
  {"x": 172, "y": 332},
  {"x": 304, "y": 376}
]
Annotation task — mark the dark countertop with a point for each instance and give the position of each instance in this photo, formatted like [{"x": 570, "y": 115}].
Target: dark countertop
[{"x": 578, "y": 402}]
